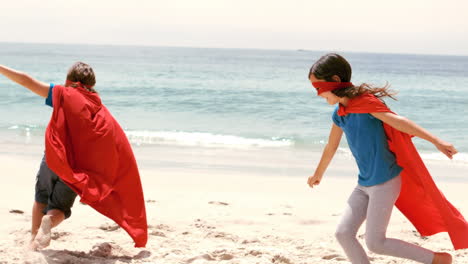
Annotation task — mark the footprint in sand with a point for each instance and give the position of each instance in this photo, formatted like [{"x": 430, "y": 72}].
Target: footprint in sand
[
  {"x": 30, "y": 258},
  {"x": 109, "y": 227},
  {"x": 162, "y": 227},
  {"x": 216, "y": 255},
  {"x": 202, "y": 224},
  {"x": 143, "y": 254},
  {"x": 157, "y": 230},
  {"x": 334, "y": 257},
  {"x": 254, "y": 253},
  {"x": 204, "y": 256},
  {"x": 57, "y": 235},
  {"x": 218, "y": 203},
  {"x": 310, "y": 222},
  {"x": 110, "y": 250},
  {"x": 223, "y": 235},
  {"x": 103, "y": 250},
  {"x": 22, "y": 237},
  {"x": 278, "y": 259},
  {"x": 416, "y": 234},
  {"x": 222, "y": 255},
  {"x": 43, "y": 237},
  {"x": 157, "y": 233},
  {"x": 246, "y": 241}
]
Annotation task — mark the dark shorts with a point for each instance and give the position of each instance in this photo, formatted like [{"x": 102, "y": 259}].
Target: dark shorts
[{"x": 52, "y": 191}]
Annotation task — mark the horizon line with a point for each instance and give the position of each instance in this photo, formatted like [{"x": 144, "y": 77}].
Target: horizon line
[{"x": 231, "y": 48}]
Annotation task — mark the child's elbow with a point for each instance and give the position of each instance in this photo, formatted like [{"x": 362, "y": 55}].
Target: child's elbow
[{"x": 24, "y": 79}]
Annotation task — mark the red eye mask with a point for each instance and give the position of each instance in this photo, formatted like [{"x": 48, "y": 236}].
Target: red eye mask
[{"x": 330, "y": 86}]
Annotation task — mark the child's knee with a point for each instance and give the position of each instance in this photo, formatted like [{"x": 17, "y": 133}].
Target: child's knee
[
  {"x": 59, "y": 213},
  {"x": 57, "y": 216},
  {"x": 343, "y": 234},
  {"x": 375, "y": 244}
]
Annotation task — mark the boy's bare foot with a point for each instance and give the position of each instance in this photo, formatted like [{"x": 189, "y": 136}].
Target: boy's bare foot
[
  {"x": 442, "y": 258},
  {"x": 43, "y": 237},
  {"x": 31, "y": 241}
]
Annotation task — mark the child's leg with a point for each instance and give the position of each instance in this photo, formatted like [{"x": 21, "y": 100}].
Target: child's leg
[
  {"x": 37, "y": 214},
  {"x": 56, "y": 217},
  {"x": 58, "y": 209},
  {"x": 53, "y": 218},
  {"x": 382, "y": 198},
  {"x": 58, "y": 199},
  {"x": 43, "y": 237},
  {"x": 41, "y": 198},
  {"x": 352, "y": 219}
]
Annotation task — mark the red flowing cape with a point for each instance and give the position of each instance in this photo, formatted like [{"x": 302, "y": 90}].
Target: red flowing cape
[
  {"x": 420, "y": 200},
  {"x": 89, "y": 151}
]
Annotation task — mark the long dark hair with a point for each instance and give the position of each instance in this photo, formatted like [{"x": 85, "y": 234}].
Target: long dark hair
[{"x": 333, "y": 64}]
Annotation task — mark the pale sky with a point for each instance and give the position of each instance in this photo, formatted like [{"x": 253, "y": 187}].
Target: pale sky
[{"x": 391, "y": 26}]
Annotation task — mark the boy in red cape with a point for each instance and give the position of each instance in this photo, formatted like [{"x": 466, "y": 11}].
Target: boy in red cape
[
  {"x": 87, "y": 153},
  {"x": 391, "y": 171}
]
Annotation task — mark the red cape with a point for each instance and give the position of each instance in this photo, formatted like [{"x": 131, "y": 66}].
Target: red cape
[
  {"x": 420, "y": 200},
  {"x": 89, "y": 151}
]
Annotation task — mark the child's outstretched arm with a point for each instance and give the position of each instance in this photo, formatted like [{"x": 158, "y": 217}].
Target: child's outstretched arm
[
  {"x": 330, "y": 149},
  {"x": 25, "y": 80},
  {"x": 405, "y": 125}
]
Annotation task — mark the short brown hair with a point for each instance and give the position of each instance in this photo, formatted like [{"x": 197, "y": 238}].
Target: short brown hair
[{"x": 83, "y": 73}]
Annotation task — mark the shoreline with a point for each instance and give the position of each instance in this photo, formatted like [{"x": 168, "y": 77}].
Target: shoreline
[{"x": 275, "y": 162}]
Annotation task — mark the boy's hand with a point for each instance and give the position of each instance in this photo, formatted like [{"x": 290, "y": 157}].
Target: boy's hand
[
  {"x": 21, "y": 78},
  {"x": 314, "y": 180}
]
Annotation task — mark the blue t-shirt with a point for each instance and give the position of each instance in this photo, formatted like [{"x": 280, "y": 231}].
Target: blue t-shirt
[
  {"x": 48, "y": 100},
  {"x": 368, "y": 143}
]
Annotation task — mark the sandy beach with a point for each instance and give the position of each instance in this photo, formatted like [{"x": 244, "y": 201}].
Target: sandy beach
[{"x": 203, "y": 215}]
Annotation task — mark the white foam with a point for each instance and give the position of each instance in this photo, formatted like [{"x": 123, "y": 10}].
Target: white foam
[
  {"x": 23, "y": 127},
  {"x": 202, "y": 139}
]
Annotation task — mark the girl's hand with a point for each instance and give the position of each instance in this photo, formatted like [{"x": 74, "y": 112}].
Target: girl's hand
[
  {"x": 314, "y": 180},
  {"x": 448, "y": 149}
]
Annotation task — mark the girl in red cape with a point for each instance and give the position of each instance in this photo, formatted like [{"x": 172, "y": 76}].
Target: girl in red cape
[
  {"x": 390, "y": 169},
  {"x": 87, "y": 154}
]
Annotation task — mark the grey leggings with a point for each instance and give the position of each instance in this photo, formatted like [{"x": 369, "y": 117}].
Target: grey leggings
[{"x": 375, "y": 203}]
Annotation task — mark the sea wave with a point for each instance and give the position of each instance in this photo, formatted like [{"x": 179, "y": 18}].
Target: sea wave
[
  {"x": 203, "y": 139},
  {"x": 33, "y": 134}
]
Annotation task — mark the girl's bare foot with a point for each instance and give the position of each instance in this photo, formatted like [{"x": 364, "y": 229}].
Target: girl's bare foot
[
  {"x": 442, "y": 258},
  {"x": 42, "y": 239}
]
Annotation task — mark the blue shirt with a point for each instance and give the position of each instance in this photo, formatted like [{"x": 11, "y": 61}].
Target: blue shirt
[
  {"x": 368, "y": 143},
  {"x": 48, "y": 100}
]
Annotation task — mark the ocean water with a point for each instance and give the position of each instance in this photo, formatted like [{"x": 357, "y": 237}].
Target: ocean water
[{"x": 212, "y": 99}]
